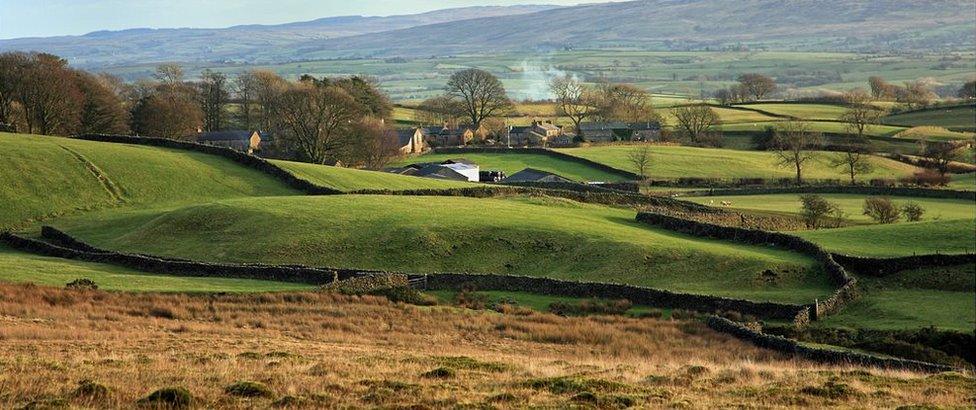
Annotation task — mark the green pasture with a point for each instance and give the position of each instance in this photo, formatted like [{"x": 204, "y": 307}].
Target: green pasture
[
  {"x": 520, "y": 236},
  {"x": 904, "y": 239},
  {"x": 20, "y": 267},
  {"x": 962, "y": 118},
  {"x": 850, "y": 204},
  {"x": 669, "y": 162}
]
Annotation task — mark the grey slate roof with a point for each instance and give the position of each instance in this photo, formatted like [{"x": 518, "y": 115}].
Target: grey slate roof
[{"x": 534, "y": 175}]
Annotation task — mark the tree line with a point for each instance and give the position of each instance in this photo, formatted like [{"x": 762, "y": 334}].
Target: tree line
[{"x": 313, "y": 119}]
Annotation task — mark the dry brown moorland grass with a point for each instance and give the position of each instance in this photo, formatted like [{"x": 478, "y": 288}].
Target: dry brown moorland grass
[{"x": 316, "y": 350}]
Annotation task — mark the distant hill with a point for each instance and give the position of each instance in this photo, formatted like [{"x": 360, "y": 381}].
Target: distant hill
[
  {"x": 802, "y": 25},
  {"x": 239, "y": 43},
  {"x": 823, "y": 25}
]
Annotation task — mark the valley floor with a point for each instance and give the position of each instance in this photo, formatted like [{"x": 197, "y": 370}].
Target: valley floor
[{"x": 313, "y": 350}]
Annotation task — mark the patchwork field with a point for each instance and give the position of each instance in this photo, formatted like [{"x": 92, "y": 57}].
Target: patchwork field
[
  {"x": 527, "y": 236},
  {"x": 679, "y": 162},
  {"x": 800, "y": 111},
  {"x": 50, "y": 176},
  {"x": 511, "y": 163}
]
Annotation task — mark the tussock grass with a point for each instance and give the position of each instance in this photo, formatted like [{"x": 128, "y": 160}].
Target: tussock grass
[{"x": 320, "y": 350}]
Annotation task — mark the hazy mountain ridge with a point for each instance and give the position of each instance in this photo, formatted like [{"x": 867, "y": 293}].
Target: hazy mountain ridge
[
  {"x": 824, "y": 25},
  {"x": 242, "y": 42}
]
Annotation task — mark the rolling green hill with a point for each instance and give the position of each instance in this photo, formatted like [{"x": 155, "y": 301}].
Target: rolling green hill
[
  {"x": 522, "y": 236},
  {"x": 511, "y": 163},
  {"x": 679, "y": 162},
  {"x": 800, "y": 111},
  {"x": 49, "y": 176},
  {"x": 347, "y": 179},
  {"x": 20, "y": 267}
]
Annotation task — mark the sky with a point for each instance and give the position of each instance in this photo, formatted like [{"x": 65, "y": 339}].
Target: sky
[{"x": 44, "y": 18}]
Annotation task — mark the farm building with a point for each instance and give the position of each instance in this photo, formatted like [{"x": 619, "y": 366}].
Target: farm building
[
  {"x": 534, "y": 175},
  {"x": 411, "y": 141},
  {"x": 448, "y": 136},
  {"x": 240, "y": 140},
  {"x": 458, "y": 169},
  {"x": 539, "y": 133},
  {"x": 621, "y": 131}
]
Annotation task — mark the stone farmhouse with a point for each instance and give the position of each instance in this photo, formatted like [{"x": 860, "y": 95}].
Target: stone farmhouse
[
  {"x": 411, "y": 141},
  {"x": 539, "y": 133},
  {"x": 240, "y": 140},
  {"x": 621, "y": 131}
]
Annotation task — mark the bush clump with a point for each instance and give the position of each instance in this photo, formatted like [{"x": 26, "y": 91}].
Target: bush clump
[
  {"x": 81, "y": 284},
  {"x": 881, "y": 210},
  {"x": 169, "y": 397},
  {"x": 395, "y": 287},
  {"x": 591, "y": 307},
  {"x": 913, "y": 212},
  {"x": 818, "y": 212},
  {"x": 246, "y": 388}
]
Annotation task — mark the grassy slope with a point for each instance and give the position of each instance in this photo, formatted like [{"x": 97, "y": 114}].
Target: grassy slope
[
  {"x": 852, "y": 205},
  {"x": 963, "y": 118},
  {"x": 346, "y": 179},
  {"x": 676, "y": 162},
  {"x": 44, "y": 176},
  {"x": 512, "y": 163},
  {"x": 19, "y": 267},
  {"x": 944, "y": 297},
  {"x": 538, "y": 237},
  {"x": 948, "y": 236}
]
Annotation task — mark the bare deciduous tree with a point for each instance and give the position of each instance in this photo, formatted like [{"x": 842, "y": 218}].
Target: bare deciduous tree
[
  {"x": 103, "y": 109},
  {"x": 574, "y": 100},
  {"x": 317, "y": 120},
  {"x": 245, "y": 89},
  {"x": 695, "y": 120},
  {"x": 967, "y": 91},
  {"x": 795, "y": 145},
  {"x": 854, "y": 160},
  {"x": 624, "y": 102},
  {"x": 214, "y": 95},
  {"x": 939, "y": 155},
  {"x": 481, "y": 94},
  {"x": 860, "y": 114},
  {"x": 757, "y": 85},
  {"x": 440, "y": 110},
  {"x": 373, "y": 144},
  {"x": 640, "y": 158}
]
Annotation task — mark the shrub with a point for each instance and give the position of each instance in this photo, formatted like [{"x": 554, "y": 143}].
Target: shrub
[
  {"x": 927, "y": 177},
  {"x": 90, "y": 390},
  {"x": 881, "y": 210},
  {"x": 882, "y": 182},
  {"x": 439, "y": 373},
  {"x": 248, "y": 389},
  {"x": 81, "y": 284},
  {"x": 913, "y": 212},
  {"x": 817, "y": 211},
  {"x": 468, "y": 298},
  {"x": 169, "y": 397}
]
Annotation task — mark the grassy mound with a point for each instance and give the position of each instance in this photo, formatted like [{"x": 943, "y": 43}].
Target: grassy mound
[
  {"x": 50, "y": 176},
  {"x": 678, "y": 162},
  {"x": 850, "y": 204},
  {"x": 905, "y": 239},
  {"x": 523, "y": 236},
  {"x": 512, "y": 163},
  {"x": 20, "y": 267},
  {"x": 347, "y": 179}
]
